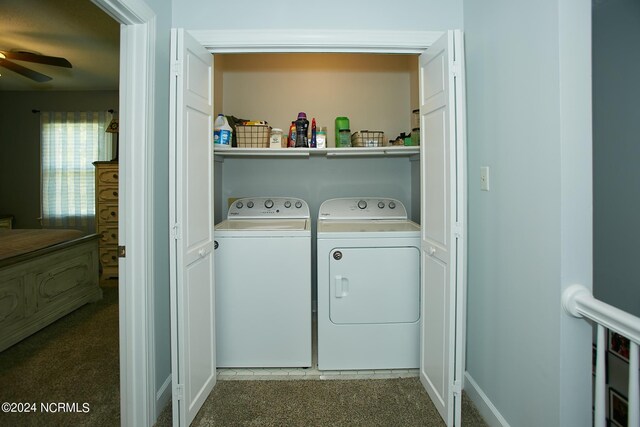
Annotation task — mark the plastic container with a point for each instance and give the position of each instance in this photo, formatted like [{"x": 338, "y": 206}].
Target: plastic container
[
  {"x": 222, "y": 132},
  {"x": 291, "y": 137},
  {"x": 313, "y": 140},
  {"x": 342, "y": 123},
  {"x": 344, "y": 138},
  {"x": 321, "y": 138},
  {"x": 275, "y": 139},
  {"x": 302, "y": 130}
]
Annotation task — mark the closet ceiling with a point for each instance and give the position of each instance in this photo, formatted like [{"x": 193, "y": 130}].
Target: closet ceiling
[{"x": 73, "y": 29}]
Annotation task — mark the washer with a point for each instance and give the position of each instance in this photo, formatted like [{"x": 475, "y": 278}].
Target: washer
[
  {"x": 263, "y": 284},
  {"x": 368, "y": 285}
]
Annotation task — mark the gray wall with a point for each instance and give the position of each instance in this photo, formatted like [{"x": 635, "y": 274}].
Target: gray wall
[
  {"x": 20, "y": 144},
  {"x": 528, "y": 98},
  {"x": 616, "y": 153}
]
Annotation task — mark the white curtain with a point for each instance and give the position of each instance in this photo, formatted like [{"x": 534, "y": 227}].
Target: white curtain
[{"x": 70, "y": 143}]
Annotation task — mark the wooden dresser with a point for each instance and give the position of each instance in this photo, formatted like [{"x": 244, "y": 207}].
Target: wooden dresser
[{"x": 107, "y": 218}]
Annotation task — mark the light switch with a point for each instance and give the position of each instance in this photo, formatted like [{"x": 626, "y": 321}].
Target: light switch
[{"x": 484, "y": 178}]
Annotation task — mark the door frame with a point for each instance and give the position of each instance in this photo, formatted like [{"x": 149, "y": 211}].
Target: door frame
[{"x": 135, "y": 227}]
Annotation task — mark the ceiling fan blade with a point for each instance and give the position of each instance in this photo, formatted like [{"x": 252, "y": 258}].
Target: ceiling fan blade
[
  {"x": 33, "y": 75},
  {"x": 40, "y": 59}
]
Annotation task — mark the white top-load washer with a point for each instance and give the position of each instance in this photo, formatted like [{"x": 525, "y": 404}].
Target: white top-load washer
[
  {"x": 368, "y": 285},
  {"x": 263, "y": 284}
]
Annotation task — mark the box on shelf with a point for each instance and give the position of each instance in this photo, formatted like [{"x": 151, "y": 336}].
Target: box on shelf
[
  {"x": 253, "y": 136},
  {"x": 367, "y": 138}
]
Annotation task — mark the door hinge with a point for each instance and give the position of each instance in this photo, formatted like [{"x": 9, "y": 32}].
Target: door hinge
[
  {"x": 457, "y": 388},
  {"x": 455, "y": 68},
  {"x": 180, "y": 392},
  {"x": 175, "y": 231},
  {"x": 122, "y": 251},
  {"x": 176, "y": 68},
  {"x": 457, "y": 230}
]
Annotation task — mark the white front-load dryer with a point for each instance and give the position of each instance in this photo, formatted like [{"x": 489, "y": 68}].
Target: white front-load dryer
[
  {"x": 263, "y": 284},
  {"x": 368, "y": 285}
]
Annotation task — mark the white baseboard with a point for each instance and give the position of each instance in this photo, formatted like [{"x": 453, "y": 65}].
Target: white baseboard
[
  {"x": 481, "y": 401},
  {"x": 163, "y": 396}
]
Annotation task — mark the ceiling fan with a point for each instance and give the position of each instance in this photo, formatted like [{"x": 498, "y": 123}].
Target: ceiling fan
[{"x": 7, "y": 55}]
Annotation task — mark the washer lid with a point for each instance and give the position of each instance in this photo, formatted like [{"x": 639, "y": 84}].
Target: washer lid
[
  {"x": 362, "y": 208},
  {"x": 371, "y": 226},
  {"x": 263, "y": 225}
]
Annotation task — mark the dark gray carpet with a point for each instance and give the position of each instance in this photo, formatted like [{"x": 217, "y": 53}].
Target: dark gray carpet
[
  {"x": 388, "y": 402},
  {"x": 73, "y": 361}
]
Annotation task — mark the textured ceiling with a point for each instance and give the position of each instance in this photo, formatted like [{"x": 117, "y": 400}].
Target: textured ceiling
[{"x": 74, "y": 29}]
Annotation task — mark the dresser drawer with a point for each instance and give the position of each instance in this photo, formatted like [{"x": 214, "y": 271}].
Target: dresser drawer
[
  {"x": 107, "y": 175},
  {"x": 109, "y": 257},
  {"x": 107, "y": 213},
  {"x": 107, "y": 193},
  {"x": 108, "y": 235}
]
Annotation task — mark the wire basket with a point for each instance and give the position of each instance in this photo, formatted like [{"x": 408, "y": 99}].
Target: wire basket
[
  {"x": 253, "y": 136},
  {"x": 367, "y": 138}
]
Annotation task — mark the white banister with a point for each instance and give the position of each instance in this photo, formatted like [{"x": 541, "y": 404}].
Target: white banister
[{"x": 578, "y": 301}]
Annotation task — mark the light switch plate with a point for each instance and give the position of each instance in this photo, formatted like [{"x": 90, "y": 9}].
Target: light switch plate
[{"x": 484, "y": 178}]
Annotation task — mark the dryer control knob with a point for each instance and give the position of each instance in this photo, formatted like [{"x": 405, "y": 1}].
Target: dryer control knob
[
  {"x": 268, "y": 203},
  {"x": 362, "y": 204},
  {"x": 392, "y": 205},
  {"x": 381, "y": 205},
  {"x": 249, "y": 205},
  {"x": 239, "y": 205},
  {"x": 287, "y": 204},
  {"x": 298, "y": 204}
]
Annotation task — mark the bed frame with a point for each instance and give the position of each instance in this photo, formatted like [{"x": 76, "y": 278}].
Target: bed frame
[{"x": 39, "y": 287}]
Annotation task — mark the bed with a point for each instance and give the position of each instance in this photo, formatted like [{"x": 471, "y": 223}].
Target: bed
[{"x": 44, "y": 275}]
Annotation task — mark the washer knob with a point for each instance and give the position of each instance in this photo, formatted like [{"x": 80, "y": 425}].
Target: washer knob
[
  {"x": 268, "y": 203},
  {"x": 298, "y": 204},
  {"x": 392, "y": 205},
  {"x": 249, "y": 205},
  {"x": 287, "y": 204},
  {"x": 362, "y": 204},
  {"x": 239, "y": 205},
  {"x": 381, "y": 205}
]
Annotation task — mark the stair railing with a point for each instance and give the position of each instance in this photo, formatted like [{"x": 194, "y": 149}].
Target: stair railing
[{"x": 578, "y": 301}]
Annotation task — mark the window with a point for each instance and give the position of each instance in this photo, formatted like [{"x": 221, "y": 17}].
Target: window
[{"x": 70, "y": 143}]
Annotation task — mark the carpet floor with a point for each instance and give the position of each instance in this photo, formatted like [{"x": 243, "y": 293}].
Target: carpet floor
[
  {"x": 73, "y": 362},
  {"x": 375, "y": 402},
  {"x": 71, "y": 369}
]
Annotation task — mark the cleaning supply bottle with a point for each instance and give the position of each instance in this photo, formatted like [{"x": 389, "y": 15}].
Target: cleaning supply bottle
[
  {"x": 291, "y": 138},
  {"x": 321, "y": 138},
  {"x": 312, "y": 141},
  {"x": 302, "y": 129},
  {"x": 222, "y": 131}
]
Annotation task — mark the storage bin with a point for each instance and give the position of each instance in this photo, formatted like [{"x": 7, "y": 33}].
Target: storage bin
[
  {"x": 367, "y": 138},
  {"x": 253, "y": 136}
]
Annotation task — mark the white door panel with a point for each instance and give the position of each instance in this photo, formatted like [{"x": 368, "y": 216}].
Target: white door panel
[
  {"x": 443, "y": 206},
  {"x": 436, "y": 174},
  {"x": 191, "y": 218}
]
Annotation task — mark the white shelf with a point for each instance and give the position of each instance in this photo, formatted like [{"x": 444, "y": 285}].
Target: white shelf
[{"x": 390, "y": 151}]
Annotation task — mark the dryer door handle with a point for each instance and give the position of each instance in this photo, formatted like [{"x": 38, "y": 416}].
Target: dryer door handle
[{"x": 341, "y": 286}]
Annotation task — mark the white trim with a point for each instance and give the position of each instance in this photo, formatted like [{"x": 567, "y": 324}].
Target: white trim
[
  {"x": 236, "y": 41},
  {"x": 137, "y": 78},
  {"x": 487, "y": 410}
]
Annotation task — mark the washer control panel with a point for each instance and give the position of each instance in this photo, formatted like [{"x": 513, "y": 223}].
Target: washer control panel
[
  {"x": 268, "y": 207},
  {"x": 362, "y": 208}
]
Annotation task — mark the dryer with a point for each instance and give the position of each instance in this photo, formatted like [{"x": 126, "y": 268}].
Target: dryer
[
  {"x": 368, "y": 254},
  {"x": 263, "y": 284}
]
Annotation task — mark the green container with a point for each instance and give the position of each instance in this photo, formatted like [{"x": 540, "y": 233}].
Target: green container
[{"x": 342, "y": 123}]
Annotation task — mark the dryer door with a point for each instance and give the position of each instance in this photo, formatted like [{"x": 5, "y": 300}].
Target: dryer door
[{"x": 374, "y": 285}]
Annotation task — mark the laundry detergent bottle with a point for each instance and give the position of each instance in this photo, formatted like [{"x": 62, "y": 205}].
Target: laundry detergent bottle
[{"x": 222, "y": 131}]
